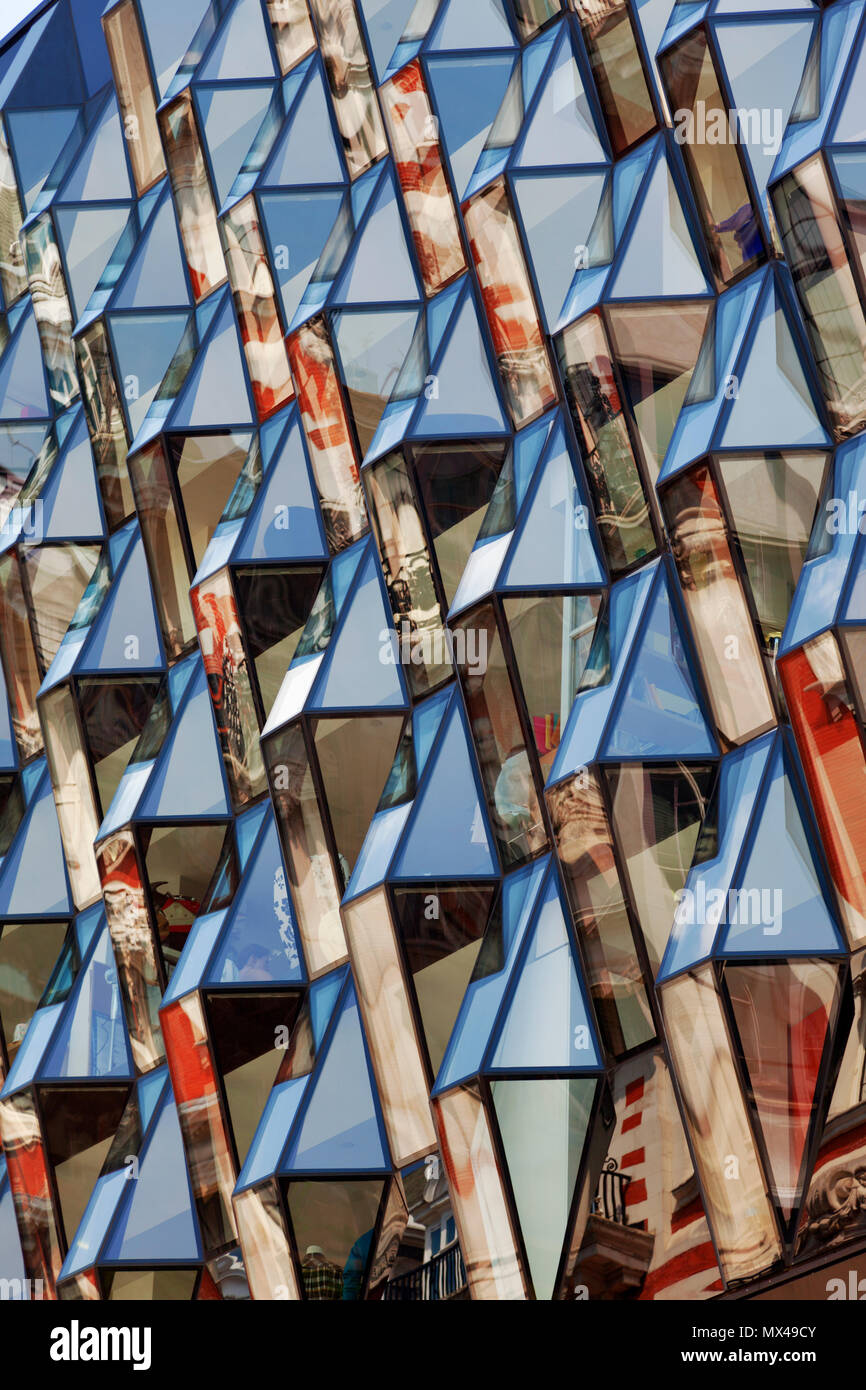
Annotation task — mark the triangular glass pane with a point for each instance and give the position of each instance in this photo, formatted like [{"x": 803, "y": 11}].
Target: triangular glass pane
[
  {"x": 33, "y": 877},
  {"x": 128, "y": 609},
  {"x": 555, "y": 542},
  {"x": 349, "y": 679},
  {"x": 215, "y": 392},
  {"x": 188, "y": 779},
  {"x": 259, "y": 941},
  {"x": 155, "y": 272},
  {"x": 660, "y": 258},
  {"x": 562, "y": 128},
  {"x": 379, "y": 268},
  {"x": 306, "y": 153},
  {"x": 158, "y": 1222},
  {"x": 447, "y": 834},
  {"x": 241, "y": 48},
  {"x": 546, "y": 1026},
  {"x": 340, "y": 1130},
  {"x": 462, "y": 398},
  {"x": 231, "y": 118},
  {"x": 468, "y": 93},
  {"x": 91, "y": 1041},
  {"x": 472, "y": 24},
  {"x": 780, "y": 907}
]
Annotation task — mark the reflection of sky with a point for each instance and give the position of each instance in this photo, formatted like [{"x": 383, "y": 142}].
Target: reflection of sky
[{"x": 13, "y": 11}]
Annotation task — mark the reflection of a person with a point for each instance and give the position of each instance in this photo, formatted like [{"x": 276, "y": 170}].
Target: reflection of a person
[
  {"x": 253, "y": 963},
  {"x": 744, "y": 226},
  {"x": 512, "y": 793},
  {"x": 323, "y": 1281},
  {"x": 353, "y": 1273}
]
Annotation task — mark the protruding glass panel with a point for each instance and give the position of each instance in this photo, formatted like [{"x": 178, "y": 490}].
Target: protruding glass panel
[
  {"x": 328, "y": 434},
  {"x": 721, "y": 624},
  {"x": 585, "y": 847},
  {"x": 657, "y": 815},
  {"x": 355, "y": 756},
  {"x": 27, "y": 1168},
  {"x": 407, "y": 571},
  {"x": 493, "y": 1265},
  {"x": 192, "y": 196},
  {"x": 56, "y": 577},
  {"x": 814, "y": 244},
  {"x": 518, "y": 341},
  {"x": 618, "y": 70},
  {"x": 715, "y": 1116},
  {"x": 543, "y": 1126},
  {"x": 784, "y": 1012},
  {"x": 135, "y": 95},
  {"x": 372, "y": 348},
  {"x": 532, "y": 14},
  {"x": 255, "y": 303},
  {"x": 506, "y": 770},
  {"x": 181, "y": 862},
  {"x": 709, "y": 135},
  {"x": 621, "y": 506},
  {"x": 390, "y": 1031},
  {"x": 315, "y": 890},
  {"x": 351, "y": 83},
  {"x": 113, "y": 715},
  {"x": 414, "y": 135},
  {"x": 246, "y": 1028}
]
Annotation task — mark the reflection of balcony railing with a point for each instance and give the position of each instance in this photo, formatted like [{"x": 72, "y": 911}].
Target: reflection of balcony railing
[
  {"x": 444, "y": 1276},
  {"x": 610, "y": 1197}
]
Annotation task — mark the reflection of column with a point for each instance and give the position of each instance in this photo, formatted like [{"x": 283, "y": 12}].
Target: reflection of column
[
  {"x": 27, "y": 1166},
  {"x": 134, "y": 947}
]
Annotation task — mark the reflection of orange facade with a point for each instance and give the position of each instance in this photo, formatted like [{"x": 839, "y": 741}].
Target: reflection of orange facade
[
  {"x": 422, "y": 178},
  {"x": 828, "y": 737}
]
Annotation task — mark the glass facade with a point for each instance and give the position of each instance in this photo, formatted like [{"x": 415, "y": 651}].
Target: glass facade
[{"x": 432, "y": 649}]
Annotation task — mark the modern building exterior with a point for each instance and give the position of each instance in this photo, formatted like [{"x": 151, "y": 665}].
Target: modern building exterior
[{"x": 433, "y": 650}]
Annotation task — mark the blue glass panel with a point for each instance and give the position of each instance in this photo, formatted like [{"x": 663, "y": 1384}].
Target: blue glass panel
[
  {"x": 380, "y": 267},
  {"x": 284, "y": 523},
  {"x": 30, "y": 1053},
  {"x": 260, "y": 922},
  {"x": 128, "y": 609},
  {"x": 149, "y": 1088},
  {"x": 557, "y": 211},
  {"x": 780, "y": 908},
  {"x": 306, "y": 153},
  {"x": 269, "y": 1140},
  {"x": 91, "y": 1041},
  {"x": 340, "y": 1130},
  {"x": 468, "y": 93},
  {"x": 87, "y": 925},
  {"x": 247, "y": 829},
  {"x": 23, "y": 392},
  {"x": 486, "y": 989},
  {"x": 555, "y": 543},
  {"x": 562, "y": 128},
  {"x": 660, "y": 258},
  {"x": 481, "y": 24},
  {"x": 189, "y": 971},
  {"x": 322, "y": 999},
  {"x": 144, "y": 345},
  {"x": 231, "y": 117},
  {"x": 70, "y": 498},
  {"x": 38, "y": 137},
  {"x": 658, "y": 712},
  {"x": 773, "y": 406},
  {"x": 465, "y": 399},
  {"x": 448, "y": 835},
  {"x": 297, "y": 226},
  {"x": 546, "y": 1025},
  {"x": 155, "y": 271},
  {"x": 169, "y": 30},
  {"x": 696, "y": 923},
  {"x": 215, "y": 392},
  {"x": 240, "y": 49},
  {"x": 385, "y": 21},
  {"x": 158, "y": 1222},
  {"x": 188, "y": 778},
  {"x": 33, "y": 879},
  {"x": 100, "y": 172},
  {"x": 426, "y": 722},
  {"x": 348, "y": 678},
  {"x": 377, "y": 850},
  {"x": 85, "y": 1247},
  {"x": 88, "y": 237}
]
